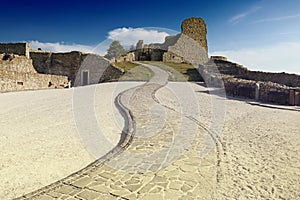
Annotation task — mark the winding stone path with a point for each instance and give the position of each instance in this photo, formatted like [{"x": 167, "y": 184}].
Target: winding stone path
[{"x": 157, "y": 157}]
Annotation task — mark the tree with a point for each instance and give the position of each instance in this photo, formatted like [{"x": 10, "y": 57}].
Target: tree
[
  {"x": 132, "y": 48},
  {"x": 115, "y": 50}
]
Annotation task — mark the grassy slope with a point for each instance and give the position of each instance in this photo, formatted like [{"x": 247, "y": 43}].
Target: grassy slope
[
  {"x": 134, "y": 72},
  {"x": 178, "y": 71}
]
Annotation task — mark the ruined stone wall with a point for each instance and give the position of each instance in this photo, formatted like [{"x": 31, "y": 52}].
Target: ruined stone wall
[
  {"x": 189, "y": 50},
  {"x": 21, "y": 49},
  {"x": 149, "y": 54},
  {"x": 269, "y": 92},
  {"x": 72, "y": 64},
  {"x": 171, "y": 57},
  {"x": 16, "y": 63},
  {"x": 139, "y": 44},
  {"x": 291, "y": 80},
  {"x": 18, "y": 74},
  {"x": 195, "y": 28},
  {"x": 15, "y": 81},
  {"x": 62, "y": 64},
  {"x": 218, "y": 58},
  {"x": 238, "y": 71},
  {"x": 129, "y": 57},
  {"x": 189, "y": 46}
]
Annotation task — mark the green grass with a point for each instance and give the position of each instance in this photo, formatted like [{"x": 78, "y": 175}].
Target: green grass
[
  {"x": 179, "y": 71},
  {"x": 133, "y": 72}
]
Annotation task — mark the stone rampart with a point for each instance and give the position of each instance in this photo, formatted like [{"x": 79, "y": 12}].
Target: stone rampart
[{"x": 17, "y": 73}]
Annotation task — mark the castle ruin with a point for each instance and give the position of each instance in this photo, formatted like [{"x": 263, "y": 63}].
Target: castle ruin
[
  {"x": 188, "y": 46},
  {"x": 24, "y": 69}
]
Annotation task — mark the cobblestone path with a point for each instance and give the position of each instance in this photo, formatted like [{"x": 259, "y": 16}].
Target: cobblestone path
[{"x": 157, "y": 157}]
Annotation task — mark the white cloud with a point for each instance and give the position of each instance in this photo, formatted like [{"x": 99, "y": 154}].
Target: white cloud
[
  {"x": 277, "y": 18},
  {"x": 283, "y": 57},
  {"x": 239, "y": 17},
  {"x": 129, "y": 36},
  {"x": 126, "y": 36},
  {"x": 61, "y": 47}
]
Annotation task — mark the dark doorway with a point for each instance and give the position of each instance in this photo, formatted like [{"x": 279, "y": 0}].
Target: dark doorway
[{"x": 85, "y": 77}]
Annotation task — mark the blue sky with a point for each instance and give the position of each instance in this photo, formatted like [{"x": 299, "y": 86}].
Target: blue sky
[{"x": 260, "y": 34}]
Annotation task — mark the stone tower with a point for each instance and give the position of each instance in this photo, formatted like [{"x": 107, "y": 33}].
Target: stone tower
[
  {"x": 195, "y": 28},
  {"x": 140, "y": 44}
]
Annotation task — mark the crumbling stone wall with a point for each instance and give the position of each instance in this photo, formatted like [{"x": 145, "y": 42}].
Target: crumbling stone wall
[
  {"x": 291, "y": 80},
  {"x": 149, "y": 54},
  {"x": 189, "y": 46},
  {"x": 21, "y": 49},
  {"x": 238, "y": 71},
  {"x": 129, "y": 57},
  {"x": 218, "y": 58},
  {"x": 195, "y": 28},
  {"x": 62, "y": 64},
  {"x": 140, "y": 44},
  {"x": 71, "y": 65},
  {"x": 268, "y": 91},
  {"x": 18, "y": 74},
  {"x": 237, "y": 83},
  {"x": 171, "y": 57},
  {"x": 190, "y": 50}
]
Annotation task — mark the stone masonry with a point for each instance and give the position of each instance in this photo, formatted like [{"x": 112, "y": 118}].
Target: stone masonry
[
  {"x": 25, "y": 69},
  {"x": 17, "y": 73},
  {"x": 72, "y": 64},
  {"x": 21, "y": 49},
  {"x": 189, "y": 46},
  {"x": 278, "y": 88},
  {"x": 195, "y": 28}
]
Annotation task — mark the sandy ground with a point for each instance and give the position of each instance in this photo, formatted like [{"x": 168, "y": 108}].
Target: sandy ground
[
  {"x": 260, "y": 146},
  {"x": 40, "y": 144},
  {"x": 39, "y": 141}
]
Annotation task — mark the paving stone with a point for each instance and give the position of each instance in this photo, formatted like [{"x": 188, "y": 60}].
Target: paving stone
[
  {"x": 120, "y": 193},
  {"x": 66, "y": 189},
  {"x": 175, "y": 185},
  {"x": 54, "y": 194},
  {"x": 146, "y": 188},
  {"x": 88, "y": 194},
  {"x": 150, "y": 196},
  {"x": 160, "y": 179},
  {"x": 45, "y": 197},
  {"x": 100, "y": 188},
  {"x": 132, "y": 196},
  {"x": 173, "y": 173},
  {"x": 133, "y": 188},
  {"x": 188, "y": 168},
  {"x": 172, "y": 194},
  {"x": 83, "y": 182},
  {"x": 71, "y": 198},
  {"x": 106, "y": 175},
  {"x": 156, "y": 189},
  {"x": 132, "y": 181},
  {"x": 186, "y": 188},
  {"x": 63, "y": 197}
]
